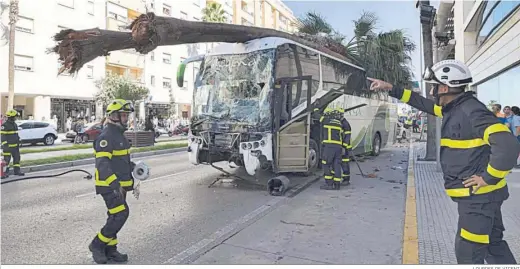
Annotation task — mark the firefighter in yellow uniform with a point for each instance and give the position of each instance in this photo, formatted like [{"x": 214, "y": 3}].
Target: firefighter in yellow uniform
[
  {"x": 332, "y": 147},
  {"x": 345, "y": 159},
  {"x": 11, "y": 143},
  {"x": 113, "y": 178}
]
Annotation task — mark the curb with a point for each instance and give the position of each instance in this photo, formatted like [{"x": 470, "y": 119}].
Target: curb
[
  {"x": 410, "y": 249},
  {"x": 44, "y": 167}
]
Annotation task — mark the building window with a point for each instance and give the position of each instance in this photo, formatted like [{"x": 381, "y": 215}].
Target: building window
[
  {"x": 90, "y": 71},
  {"x": 23, "y": 63},
  {"x": 152, "y": 56},
  {"x": 184, "y": 15},
  {"x": 167, "y": 83},
  {"x": 117, "y": 17},
  {"x": 90, "y": 7},
  {"x": 167, "y": 10},
  {"x": 167, "y": 58},
  {"x": 25, "y": 25},
  {"x": 152, "y": 80},
  {"x": 494, "y": 14},
  {"x": 503, "y": 89},
  {"x": 66, "y": 3}
]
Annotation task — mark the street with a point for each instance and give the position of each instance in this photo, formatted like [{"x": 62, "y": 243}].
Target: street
[{"x": 51, "y": 221}]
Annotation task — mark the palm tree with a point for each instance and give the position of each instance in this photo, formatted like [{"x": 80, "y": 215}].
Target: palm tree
[
  {"x": 378, "y": 53},
  {"x": 76, "y": 48},
  {"x": 213, "y": 12}
]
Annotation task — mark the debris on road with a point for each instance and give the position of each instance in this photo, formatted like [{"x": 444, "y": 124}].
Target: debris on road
[
  {"x": 297, "y": 223},
  {"x": 396, "y": 167}
]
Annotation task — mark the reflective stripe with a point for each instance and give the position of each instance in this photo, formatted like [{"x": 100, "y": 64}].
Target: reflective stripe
[
  {"x": 113, "y": 242},
  {"x": 437, "y": 110},
  {"x": 16, "y": 165},
  {"x": 323, "y": 162},
  {"x": 495, "y": 128},
  {"x": 345, "y": 160},
  {"x": 6, "y": 153},
  {"x": 103, "y": 238},
  {"x": 8, "y": 132},
  {"x": 126, "y": 183},
  {"x": 406, "y": 96},
  {"x": 106, "y": 182},
  {"x": 332, "y": 142},
  {"x": 465, "y": 192},
  {"x": 121, "y": 152},
  {"x": 477, "y": 238},
  {"x": 328, "y": 177},
  {"x": 337, "y": 179},
  {"x": 462, "y": 144},
  {"x": 4, "y": 142},
  {"x": 496, "y": 173},
  {"x": 333, "y": 127},
  {"x": 103, "y": 154},
  {"x": 347, "y": 132},
  {"x": 322, "y": 118},
  {"x": 116, "y": 209},
  {"x": 12, "y": 145}
]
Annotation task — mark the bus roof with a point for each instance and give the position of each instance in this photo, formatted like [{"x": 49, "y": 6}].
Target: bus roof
[{"x": 263, "y": 44}]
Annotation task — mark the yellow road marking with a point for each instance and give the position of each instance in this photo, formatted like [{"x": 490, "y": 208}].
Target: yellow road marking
[{"x": 410, "y": 237}]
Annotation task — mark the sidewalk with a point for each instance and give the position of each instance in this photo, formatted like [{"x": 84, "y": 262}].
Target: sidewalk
[
  {"x": 360, "y": 224},
  {"x": 437, "y": 213},
  {"x": 59, "y": 153}
]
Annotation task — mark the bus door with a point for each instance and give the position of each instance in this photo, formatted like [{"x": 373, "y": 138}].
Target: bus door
[{"x": 292, "y": 132}]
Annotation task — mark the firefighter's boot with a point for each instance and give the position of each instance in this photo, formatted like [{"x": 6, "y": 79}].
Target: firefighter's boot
[
  {"x": 346, "y": 181},
  {"x": 114, "y": 255},
  {"x": 327, "y": 186},
  {"x": 5, "y": 176},
  {"x": 98, "y": 252},
  {"x": 336, "y": 185},
  {"x": 17, "y": 172}
]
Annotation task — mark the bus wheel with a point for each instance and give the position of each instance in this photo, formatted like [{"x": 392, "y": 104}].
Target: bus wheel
[
  {"x": 376, "y": 145},
  {"x": 314, "y": 157}
]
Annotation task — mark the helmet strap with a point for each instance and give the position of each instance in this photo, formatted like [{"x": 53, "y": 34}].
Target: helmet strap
[{"x": 438, "y": 95}]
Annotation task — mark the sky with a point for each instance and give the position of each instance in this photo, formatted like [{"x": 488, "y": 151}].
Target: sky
[{"x": 392, "y": 15}]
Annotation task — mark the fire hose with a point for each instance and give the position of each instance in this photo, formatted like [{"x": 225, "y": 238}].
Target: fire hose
[{"x": 140, "y": 172}]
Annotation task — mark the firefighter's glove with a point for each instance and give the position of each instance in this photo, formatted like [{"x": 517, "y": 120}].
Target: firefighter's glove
[{"x": 476, "y": 181}]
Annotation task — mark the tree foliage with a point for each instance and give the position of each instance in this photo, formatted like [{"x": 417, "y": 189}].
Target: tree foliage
[
  {"x": 384, "y": 55},
  {"x": 117, "y": 87},
  {"x": 213, "y": 12}
]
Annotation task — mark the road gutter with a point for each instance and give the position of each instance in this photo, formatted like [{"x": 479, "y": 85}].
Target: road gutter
[{"x": 410, "y": 236}]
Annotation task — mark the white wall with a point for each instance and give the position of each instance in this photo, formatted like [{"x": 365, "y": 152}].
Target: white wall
[{"x": 43, "y": 80}]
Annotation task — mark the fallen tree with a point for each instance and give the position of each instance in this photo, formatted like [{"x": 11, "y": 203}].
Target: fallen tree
[{"x": 148, "y": 31}]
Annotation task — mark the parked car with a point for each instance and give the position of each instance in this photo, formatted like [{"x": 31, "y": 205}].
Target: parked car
[
  {"x": 33, "y": 132},
  {"x": 92, "y": 130}
]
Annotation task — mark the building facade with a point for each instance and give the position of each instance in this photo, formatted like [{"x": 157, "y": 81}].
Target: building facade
[
  {"x": 41, "y": 94},
  {"x": 487, "y": 36}
]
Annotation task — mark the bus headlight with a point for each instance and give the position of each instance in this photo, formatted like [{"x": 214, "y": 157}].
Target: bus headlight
[
  {"x": 256, "y": 144},
  {"x": 249, "y": 146},
  {"x": 262, "y": 143},
  {"x": 244, "y": 146}
]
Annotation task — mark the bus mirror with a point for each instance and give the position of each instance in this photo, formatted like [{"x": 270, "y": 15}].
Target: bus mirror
[{"x": 180, "y": 74}]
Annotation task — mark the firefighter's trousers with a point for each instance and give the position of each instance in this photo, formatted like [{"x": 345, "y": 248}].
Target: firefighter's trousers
[
  {"x": 345, "y": 166},
  {"x": 331, "y": 161},
  {"x": 118, "y": 213},
  {"x": 480, "y": 234},
  {"x": 15, "y": 153}
]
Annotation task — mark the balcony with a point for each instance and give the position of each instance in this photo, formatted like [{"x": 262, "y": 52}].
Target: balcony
[{"x": 126, "y": 58}]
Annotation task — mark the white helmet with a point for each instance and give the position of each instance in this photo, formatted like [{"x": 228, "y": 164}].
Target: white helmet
[{"x": 449, "y": 72}]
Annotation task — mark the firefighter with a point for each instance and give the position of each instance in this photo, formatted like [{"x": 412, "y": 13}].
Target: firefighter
[
  {"x": 113, "y": 178},
  {"x": 332, "y": 145},
  {"x": 11, "y": 143},
  {"x": 345, "y": 159},
  {"x": 477, "y": 152}
]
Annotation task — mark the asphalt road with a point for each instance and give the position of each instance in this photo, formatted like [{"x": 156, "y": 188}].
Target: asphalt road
[{"x": 51, "y": 221}]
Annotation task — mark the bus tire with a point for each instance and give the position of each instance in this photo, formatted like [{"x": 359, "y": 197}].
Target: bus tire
[
  {"x": 376, "y": 145},
  {"x": 314, "y": 157}
]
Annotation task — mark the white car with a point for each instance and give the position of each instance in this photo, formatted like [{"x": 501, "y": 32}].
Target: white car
[{"x": 32, "y": 132}]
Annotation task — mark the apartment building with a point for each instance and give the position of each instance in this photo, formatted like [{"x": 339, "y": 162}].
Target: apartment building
[
  {"x": 272, "y": 14},
  {"x": 39, "y": 92},
  {"x": 487, "y": 36}
]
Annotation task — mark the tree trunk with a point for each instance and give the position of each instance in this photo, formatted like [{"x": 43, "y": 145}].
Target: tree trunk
[
  {"x": 13, "y": 16},
  {"x": 431, "y": 143},
  {"x": 76, "y": 48}
]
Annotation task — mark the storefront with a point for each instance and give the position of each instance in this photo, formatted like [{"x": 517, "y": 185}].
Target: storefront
[
  {"x": 161, "y": 111},
  {"x": 503, "y": 89},
  {"x": 65, "y": 108}
]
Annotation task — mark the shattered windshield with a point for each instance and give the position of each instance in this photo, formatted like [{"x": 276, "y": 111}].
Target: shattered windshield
[{"x": 236, "y": 88}]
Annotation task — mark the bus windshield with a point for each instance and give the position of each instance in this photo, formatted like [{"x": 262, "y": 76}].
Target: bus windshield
[{"x": 235, "y": 88}]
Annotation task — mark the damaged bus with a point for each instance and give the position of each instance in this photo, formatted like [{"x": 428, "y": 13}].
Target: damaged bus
[{"x": 253, "y": 106}]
